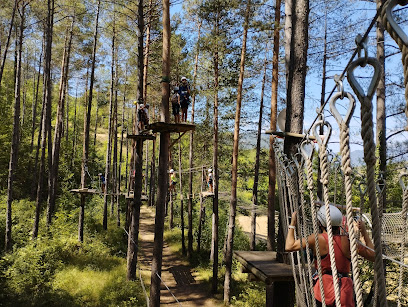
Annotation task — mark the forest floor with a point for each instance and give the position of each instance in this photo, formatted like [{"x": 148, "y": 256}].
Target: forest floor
[{"x": 183, "y": 282}]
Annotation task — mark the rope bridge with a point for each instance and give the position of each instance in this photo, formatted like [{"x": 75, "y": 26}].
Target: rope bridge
[{"x": 296, "y": 187}]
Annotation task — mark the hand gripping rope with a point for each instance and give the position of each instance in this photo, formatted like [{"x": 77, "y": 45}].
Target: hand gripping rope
[
  {"x": 399, "y": 36},
  {"x": 322, "y": 141},
  {"x": 343, "y": 123},
  {"x": 369, "y": 156}
]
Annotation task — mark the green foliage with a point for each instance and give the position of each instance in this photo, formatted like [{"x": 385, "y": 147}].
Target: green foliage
[{"x": 252, "y": 294}]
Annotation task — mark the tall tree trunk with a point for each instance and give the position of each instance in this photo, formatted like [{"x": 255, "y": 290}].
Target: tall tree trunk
[
  {"x": 191, "y": 156},
  {"x": 258, "y": 150},
  {"x": 163, "y": 163},
  {"x": 234, "y": 170},
  {"x": 3, "y": 62},
  {"x": 138, "y": 160},
  {"x": 46, "y": 123},
  {"x": 183, "y": 241},
  {"x": 96, "y": 118},
  {"x": 74, "y": 132},
  {"x": 215, "y": 217},
  {"x": 59, "y": 125},
  {"x": 110, "y": 134},
  {"x": 87, "y": 122},
  {"x": 274, "y": 111},
  {"x": 35, "y": 99},
  {"x": 16, "y": 133},
  {"x": 115, "y": 190}
]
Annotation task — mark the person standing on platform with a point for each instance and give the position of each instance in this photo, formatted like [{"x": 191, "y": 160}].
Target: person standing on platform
[
  {"x": 173, "y": 181},
  {"x": 175, "y": 103},
  {"x": 184, "y": 92},
  {"x": 210, "y": 181}
]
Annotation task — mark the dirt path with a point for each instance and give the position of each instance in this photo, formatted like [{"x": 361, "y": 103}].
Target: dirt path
[
  {"x": 182, "y": 281},
  {"x": 261, "y": 226}
]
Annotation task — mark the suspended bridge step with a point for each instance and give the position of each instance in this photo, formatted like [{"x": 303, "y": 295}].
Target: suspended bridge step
[
  {"x": 142, "y": 137},
  {"x": 84, "y": 191},
  {"x": 207, "y": 194},
  {"x": 130, "y": 195},
  {"x": 264, "y": 266},
  {"x": 292, "y": 134},
  {"x": 170, "y": 127}
]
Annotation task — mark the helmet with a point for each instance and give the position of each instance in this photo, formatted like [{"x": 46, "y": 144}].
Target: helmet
[
  {"x": 141, "y": 105},
  {"x": 171, "y": 171},
  {"x": 335, "y": 215},
  {"x": 176, "y": 88},
  {"x": 183, "y": 78},
  {"x": 210, "y": 170}
]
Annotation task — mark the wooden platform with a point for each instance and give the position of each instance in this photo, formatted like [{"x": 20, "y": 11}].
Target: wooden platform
[
  {"x": 142, "y": 137},
  {"x": 264, "y": 266},
  {"x": 283, "y": 134},
  {"x": 85, "y": 191},
  {"x": 207, "y": 194},
  {"x": 170, "y": 127},
  {"x": 131, "y": 196}
]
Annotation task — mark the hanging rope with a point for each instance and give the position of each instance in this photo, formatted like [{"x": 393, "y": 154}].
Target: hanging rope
[
  {"x": 307, "y": 149},
  {"x": 404, "y": 213},
  {"x": 346, "y": 166},
  {"x": 325, "y": 182},
  {"x": 304, "y": 233},
  {"x": 399, "y": 36},
  {"x": 369, "y": 156}
]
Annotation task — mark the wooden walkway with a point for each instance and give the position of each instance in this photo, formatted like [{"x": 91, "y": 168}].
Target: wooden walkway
[{"x": 182, "y": 280}]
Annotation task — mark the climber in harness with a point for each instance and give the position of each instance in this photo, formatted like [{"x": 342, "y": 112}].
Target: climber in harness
[
  {"x": 342, "y": 255},
  {"x": 175, "y": 104},
  {"x": 210, "y": 181},
  {"x": 184, "y": 92},
  {"x": 143, "y": 117}
]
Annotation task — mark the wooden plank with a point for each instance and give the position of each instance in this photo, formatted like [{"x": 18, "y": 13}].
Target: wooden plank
[
  {"x": 131, "y": 196},
  {"x": 142, "y": 137},
  {"x": 264, "y": 266},
  {"x": 207, "y": 194},
  {"x": 84, "y": 191},
  {"x": 292, "y": 134},
  {"x": 170, "y": 127}
]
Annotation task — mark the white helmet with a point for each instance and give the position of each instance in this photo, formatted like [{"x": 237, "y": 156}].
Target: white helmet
[
  {"x": 141, "y": 105},
  {"x": 171, "y": 171},
  {"x": 210, "y": 170},
  {"x": 183, "y": 78},
  {"x": 335, "y": 215}
]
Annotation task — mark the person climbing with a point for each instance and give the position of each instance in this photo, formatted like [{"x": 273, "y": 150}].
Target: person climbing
[
  {"x": 173, "y": 181},
  {"x": 342, "y": 254},
  {"x": 143, "y": 117},
  {"x": 175, "y": 103},
  {"x": 103, "y": 182},
  {"x": 210, "y": 181},
  {"x": 184, "y": 92}
]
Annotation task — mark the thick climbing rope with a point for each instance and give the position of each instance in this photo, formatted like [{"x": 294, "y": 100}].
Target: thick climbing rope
[
  {"x": 404, "y": 213},
  {"x": 293, "y": 199},
  {"x": 369, "y": 158},
  {"x": 304, "y": 233},
  {"x": 399, "y": 36},
  {"x": 307, "y": 149},
  {"x": 325, "y": 182},
  {"x": 346, "y": 167}
]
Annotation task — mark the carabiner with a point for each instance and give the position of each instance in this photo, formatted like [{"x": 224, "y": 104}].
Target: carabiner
[
  {"x": 340, "y": 86},
  {"x": 362, "y": 45}
]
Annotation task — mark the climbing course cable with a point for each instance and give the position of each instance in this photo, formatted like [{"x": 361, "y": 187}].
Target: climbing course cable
[
  {"x": 322, "y": 142},
  {"x": 399, "y": 36},
  {"x": 307, "y": 149},
  {"x": 404, "y": 213},
  {"x": 369, "y": 154},
  {"x": 308, "y": 282},
  {"x": 346, "y": 167}
]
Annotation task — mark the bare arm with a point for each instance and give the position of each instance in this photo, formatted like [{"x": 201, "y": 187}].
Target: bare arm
[
  {"x": 293, "y": 245},
  {"x": 365, "y": 239}
]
